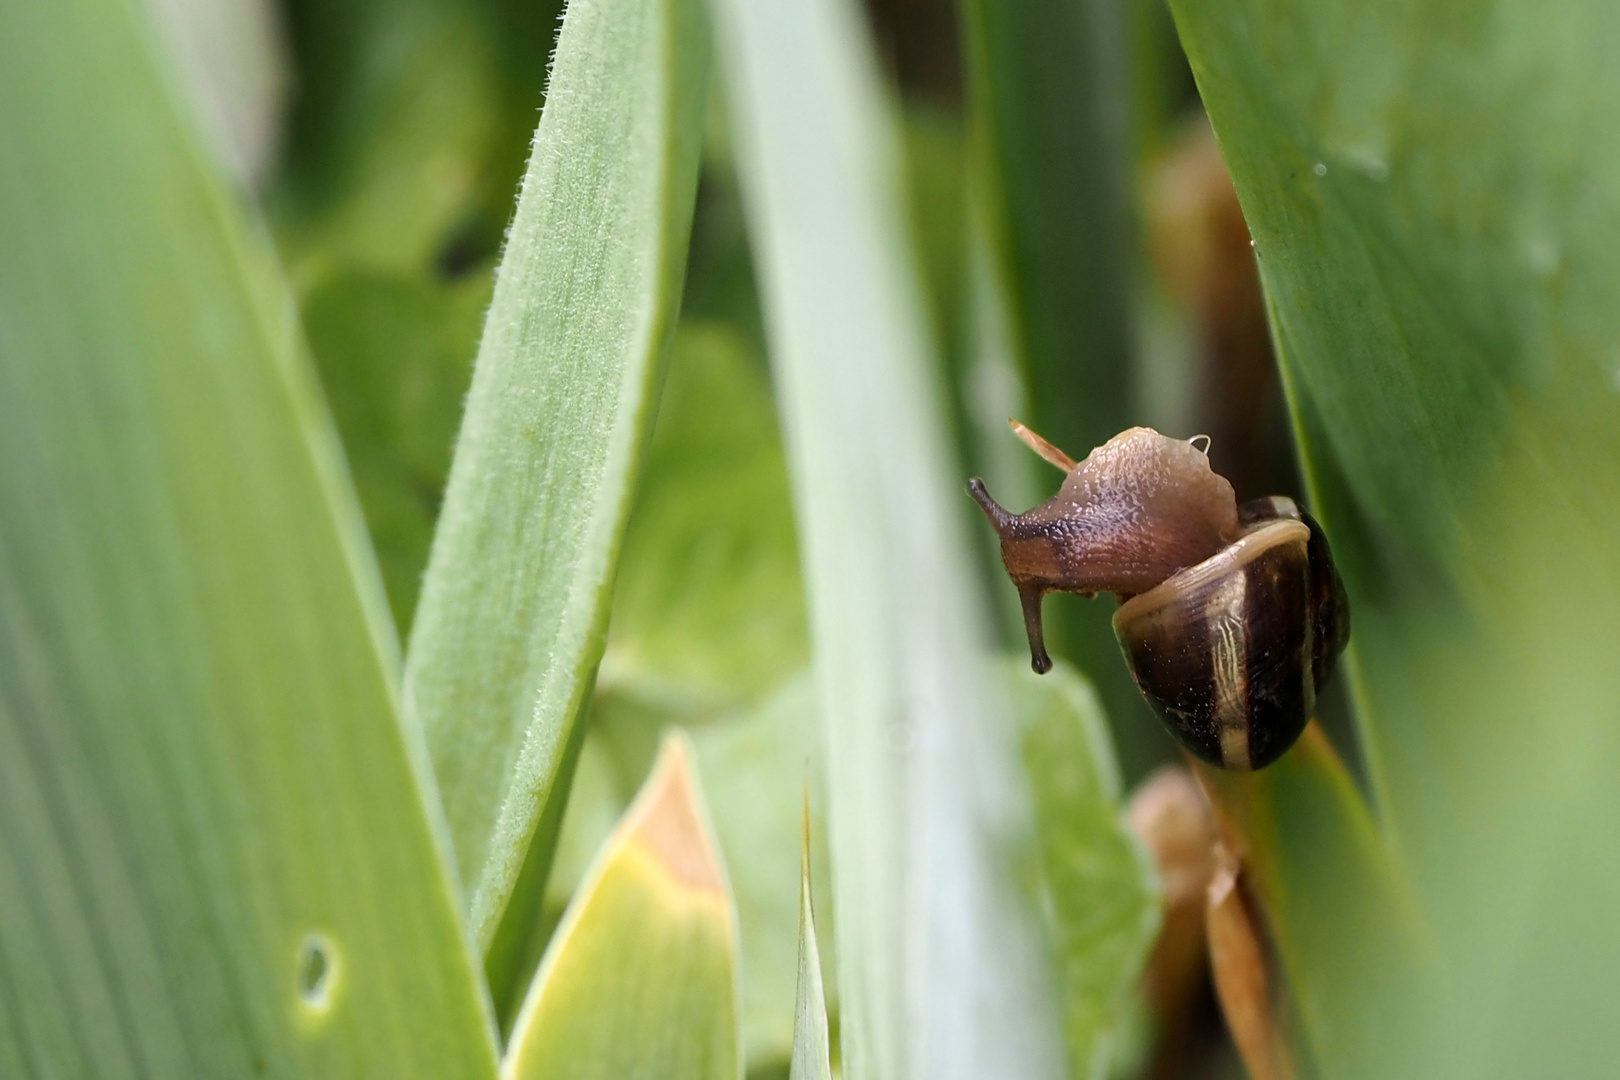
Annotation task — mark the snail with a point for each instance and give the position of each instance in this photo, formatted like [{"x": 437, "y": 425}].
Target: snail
[{"x": 1230, "y": 617}]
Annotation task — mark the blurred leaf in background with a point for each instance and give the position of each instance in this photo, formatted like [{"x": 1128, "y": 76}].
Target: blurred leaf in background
[
  {"x": 403, "y": 148},
  {"x": 941, "y": 967},
  {"x": 709, "y": 631},
  {"x": 232, "y": 58},
  {"x": 1433, "y": 195},
  {"x": 708, "y": 608}
]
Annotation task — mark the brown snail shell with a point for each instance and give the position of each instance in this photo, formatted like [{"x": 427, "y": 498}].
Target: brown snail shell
[{"x": 1229, "y": 620}]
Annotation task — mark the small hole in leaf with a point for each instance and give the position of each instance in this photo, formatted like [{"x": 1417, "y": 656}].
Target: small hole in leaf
[{"x": 315, "y": 963}]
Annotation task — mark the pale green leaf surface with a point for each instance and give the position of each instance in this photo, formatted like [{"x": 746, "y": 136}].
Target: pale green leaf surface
[
  {"x": 515, "y": 600},
  {"x": 640, "y": 979},
  {"x": 1434, "y": 193},
  {"x": 1101, "y": 893},
  {"x": 812, "y": 1044},
  {"x": 218, "y": 855},
  {"x": 939, "y": 958}
]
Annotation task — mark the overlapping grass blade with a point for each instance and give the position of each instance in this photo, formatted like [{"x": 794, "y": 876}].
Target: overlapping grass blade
[
  {"x": 940, "y": 971},
  {"x": 1433, "y": 201},
  {"x": 218, "y": 856},
  {"x": 515, "y": 601},
  {"x": 641, "y": 976}
]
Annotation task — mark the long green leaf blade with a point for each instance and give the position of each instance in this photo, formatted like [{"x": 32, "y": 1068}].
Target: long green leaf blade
[
  {"x": 515, "y": 601},
  {"x": 940, "y": 970},
  {"x": 641, "y": 977},
  {"x": 1433, "y": 197},
  {"x": 218, "y": 855}
]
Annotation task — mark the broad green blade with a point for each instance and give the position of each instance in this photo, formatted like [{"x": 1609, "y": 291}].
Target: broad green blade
[
  {"x": 940, "y": 967},
  {"x": 641, "y": 977},
  {"x": 812, "y": 1047},
  {"x": 1100, "y": 891},
  {"x": 515, "y": 600},
  {"x": 218, "y": 854},
  {"x": 1435, "y": 201}
]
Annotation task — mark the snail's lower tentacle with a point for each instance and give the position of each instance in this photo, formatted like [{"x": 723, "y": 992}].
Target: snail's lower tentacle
[{"x": 1031, "y": 599}]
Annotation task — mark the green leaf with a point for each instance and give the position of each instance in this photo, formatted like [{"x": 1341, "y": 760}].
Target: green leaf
[
  {"x": 515, "y": 601},
  {"x": 760, "y": 761},
  {"x": 218, "y": 854},
  {"x": 926, "y": 809},
  {"x": 1100, "y": 890},
  {"x": 641, "y": 977},
  {"x": 1433, "y": 197},
  {"x": 812, "y": 1045},
  {"x": 397, "y": 124},
  {"x": 1049, "y": 165},
  {"x": 708, "y": 608}
]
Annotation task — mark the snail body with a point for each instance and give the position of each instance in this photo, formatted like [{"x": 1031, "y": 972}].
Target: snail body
[{"x": 1230, "y": 619}]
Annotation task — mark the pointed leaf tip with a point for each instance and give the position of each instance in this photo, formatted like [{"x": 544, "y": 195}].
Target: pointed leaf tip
[{"x": 669, "y": 825}]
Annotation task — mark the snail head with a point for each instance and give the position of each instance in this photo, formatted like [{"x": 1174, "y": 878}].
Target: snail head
[{"x": 1137, "y": 509}]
